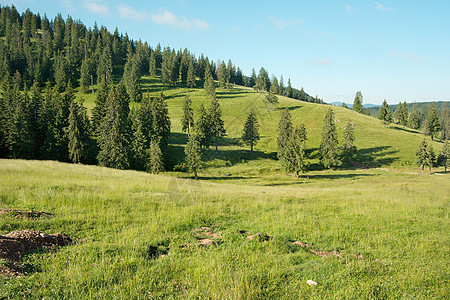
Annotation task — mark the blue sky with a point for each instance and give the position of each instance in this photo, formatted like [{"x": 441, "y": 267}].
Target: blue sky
[{"x": 393, "y": 50}]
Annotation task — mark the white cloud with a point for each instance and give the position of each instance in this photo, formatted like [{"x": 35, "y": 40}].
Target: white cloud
[
  {"x": 323, "y": 62},
  {"x": 281, "y": 24},
  {"x": 168, "y": 18},
  {"x": 382, "y": 7},
  {"x": 349, "y": 8},
  {"x": 97, "y": 7},
  {"x": 126, "y": 12},
  {"x": 405, "y": 55}
]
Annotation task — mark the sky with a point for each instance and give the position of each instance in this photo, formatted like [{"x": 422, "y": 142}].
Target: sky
[{"x": 398, "y": 50}]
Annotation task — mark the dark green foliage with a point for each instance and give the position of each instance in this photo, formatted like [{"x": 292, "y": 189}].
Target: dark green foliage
[
  {"x": 155, "y": 160},
  {"x": 152, "y": 64},
  {"x": 139, "y": 142},
  {"x": 401, "y": 114},
  {"x": 414, "y": 118},
  {"x": 131, "y": 77},
  {"x": 285, "y": 131},
  {"x": 298, "y": 146},
  {"x": 85, "y": 79},
  {"x": 271, "y": 99},
  {"x": 188, "y": 115},
  {"x": 384, "y": 114},
  {"x": 274, "y": 88},
  {"x": 104, "y": 67},
  {"x": 203, "y": 128},
  {"x": 262, "y": 81},
  {"x": 250, "y": 134},
  {"x": 425, "y": 156},
  {"x": 20, "y": 140},
  {"x": 224, "y": 78},
  {"x": 433, "y": 125},
  {"x": 348, "y": 150},
  {"x": 190, "y": 75},
  {"x": 329, "y": 147},
  {"x": 78, "y": 132},
  {"x": 289, "y": 91},
  {"x": 98, "y": 112},
  {"x": 358, "y": 103},
  {"x": 209, "y": 85},
  {"x": 215, "y": 120},
  {"x": 444, "y": 156},
  {"x": 161, "y": 122},
  {"x": 193, "y": 155}
]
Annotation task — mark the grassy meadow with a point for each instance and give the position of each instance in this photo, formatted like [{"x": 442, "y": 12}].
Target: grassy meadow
[{"x": 383, "y": 235}]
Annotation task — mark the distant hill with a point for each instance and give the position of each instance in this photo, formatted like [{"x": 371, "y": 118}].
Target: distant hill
[{"x": 338, "y": 103}]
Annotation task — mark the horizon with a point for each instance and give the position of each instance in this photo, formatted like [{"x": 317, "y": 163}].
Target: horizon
[{"x": 400, "y": 55}]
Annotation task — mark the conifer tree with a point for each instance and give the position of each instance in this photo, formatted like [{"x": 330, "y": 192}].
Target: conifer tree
[
  {"x": 203, "y": 128},
  {"x": 444, "y": 156},
  {"x": 152, "y": 64},
  {"x": 384, "y": 114},
  {"x": 425, "y": 156},
  {"x": 271, "y": 99},
  {"x": 193, "y": 155},
  {"x": 78, "y": 132},
  {"x": 98, "y": 112},
  {"x": 252, "y": 79},
  {"x": 358, "y": 103},
  {"x": 188, "y": 115},
  {"x": 298, "y": 146},
  {"x": 285, "y": 131},
  {"x": 20, "y": 139},
  {"x": 348, "y": 149},
  {"x": 274, "y": 88},
  {"x": 433, "y": 125},
  {"x": 329, "y": 147},
  {"x": 250, "y": 135},
  {"x": 85, "y": 79},
  {"x": 404, "y": 114},
  {"x": 161, "y": 122},
  {"x": 414, "y": 118},
  {"x": 139, "y": 142},
  {"x": 156, "y": 159},
  {"x": 215, "y": 120},
  {"x": 191, "y": 75},
  {"x": 281, "y": 86},
  {"x": 262, "y": 81},
  {"x": 289, "y": 91},
  {"x": 104, "y": 66}
]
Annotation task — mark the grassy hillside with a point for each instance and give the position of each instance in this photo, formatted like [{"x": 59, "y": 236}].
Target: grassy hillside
[
  {"x": 370, "y": 234},
  {"x": 378, "y": 145}
]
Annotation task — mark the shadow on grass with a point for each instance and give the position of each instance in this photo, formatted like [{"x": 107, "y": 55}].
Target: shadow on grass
[
  {"x": 404, "y": 129},
  {"x": 235, "y": 156},
  {"x": 289, "y": 107},
  {"x": 375, "y": 156}
]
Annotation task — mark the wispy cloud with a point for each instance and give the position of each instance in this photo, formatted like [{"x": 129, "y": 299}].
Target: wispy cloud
[
  {"x": 322, "y": 62},
  {"x": 411, "y": 56},
  {"x": 169, "y": 18},
  {"x": 380, "y": 6},
  {"x": 95, "y": 6},
  {"x": 281, "y": 24},
  {"x": 127, "y": 12},
  {"x": 349, "y": 8}
]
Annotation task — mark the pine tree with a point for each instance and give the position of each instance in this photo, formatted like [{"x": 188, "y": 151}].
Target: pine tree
[
  {"x": 271, "y": 99},
  {"x": 252, "y": 79},
  {"x": 104, "y": 66},
  {"x": 191, "y": 75},
  {"x": 156, "y": 161},
  {"x": 298, "y": 146},
  {"x": 348, "y": 149},
  {"x": 152, "y": 64},
  {"x": 139, "y": 142},
  {"x": 262, "y": 81},
  {"x": 414, "y": 118},
  {"x": 161, "y": 122},
  {"x": 274, "y": 88},
  {"x": 193, "y": 155},
  {"x": 98, "y": 112},
  {"x": 289, "y": 91},
  {"x": 404, "y": 115},
  {"x": 285, "y": 131},
  {"x": 78, "y": 132},
  {"x": 216, "y": 122},
  {"x": 112, "y": 142},
  {"x": 250, "y": 135},
  {"x": 20, "y": 140},
  {"x": 329, "y": 147},
  {"x": 444, "y": 156},
  {"x": 85, "y": 79},
  {"x": 357, "y": 103},
  {"x": 188, "y": 115},
  {"x": 433, "y": 125},
  {"x": 384, "y": 114},
  {"x": 281, "y": 86},
  {"x": 203, "y": 128},
  {"x": 425, "y": 156}
]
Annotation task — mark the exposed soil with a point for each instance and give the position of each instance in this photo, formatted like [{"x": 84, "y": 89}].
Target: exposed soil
[
  {"x": 316, "y": 252},
  {"x": 14, "y": 244},
  {"x": 21, "y": 214},
  {"x": 205, "y": 237},
  {"x": 262, "y": 237}
]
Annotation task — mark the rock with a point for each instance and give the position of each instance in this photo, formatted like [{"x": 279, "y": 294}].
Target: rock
[{"x": 311, "y": 282}]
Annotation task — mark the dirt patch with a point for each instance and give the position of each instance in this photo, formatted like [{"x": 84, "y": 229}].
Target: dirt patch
[
  {"x": 316, "y": 252},
  {"x": 21, "y": 214},
  {"x": 205, "y": 237},
  {"x": 14, "y": 244},
  {"x": 262, "y": 237}
]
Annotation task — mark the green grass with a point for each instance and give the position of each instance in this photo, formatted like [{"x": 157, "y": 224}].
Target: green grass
[{"x": 398, "y": 222}]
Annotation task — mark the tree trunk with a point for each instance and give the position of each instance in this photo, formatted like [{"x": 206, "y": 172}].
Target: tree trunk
[
  {"x": 251, "y": 147},
  {"x": 422, "y": 168},
  {"x": 195, "y": 174},
  {"x": 271, "y": 107},
  {"x": 297, "y": 175},
  {"x": 216, "y": 146}
]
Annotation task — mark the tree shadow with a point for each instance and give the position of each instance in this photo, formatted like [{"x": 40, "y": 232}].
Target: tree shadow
[
  {"x": 404, "y": 129},
  {"x": 374, "y": 157},
  {"x": 289, "y": 107},
  {"x": 232, "y": 157},
  {"x": 224, "y": 177}
]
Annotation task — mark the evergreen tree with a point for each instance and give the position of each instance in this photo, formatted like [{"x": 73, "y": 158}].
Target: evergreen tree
[
  {"x": 425, "y": 156},
  {"x": 98, "y": 112},
  {"x": 155, "y": 162},
  {"x": 348, "y": 149},
  {"x": 274, "y": 88},
  {"x": 223, "y": 76},
  {"x": 188, "y": 115},
  {"x": 20, "y": 139},
  {"x": 193, "y": 155},
  {"x": 210, "y": 86},
  {"x": 404, "y": 115},
  {"x": 191, "y": 75},
  {"x": 285, "y": 131},
  {"x": 444, "y": 156},
  {"x": 344, "y": 105},
  {"x": 252, "y": 79},
  {"x": 184, "y": 66},
  {"x": 262, "y": 81},
  {"x": 250, "y": 135},
  {"x": 329, "y": 147},
  {"x": 152, "y": 64},
  {"x": 298, "y": 146},
  {"x": 78, "y": 132},
  {"x": 433, "y": 125},
  {"x": 104, "y": 66},
  {"x": 289, "y": 91},
  {"x": 215, "y": 121},
  {"x": 358, "y": 103},
  {"x": 112, "y": 141},
  {"x": 414, "y": 118},
  {"x": 271, "y": 99},
  {"x": 384, "y": 114},
  {"x": 281, "y": 86},
  {"x": 161, "y": 122},
  {"x": 85, "y": 79},
  {"x": 203, "y": 128}
]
